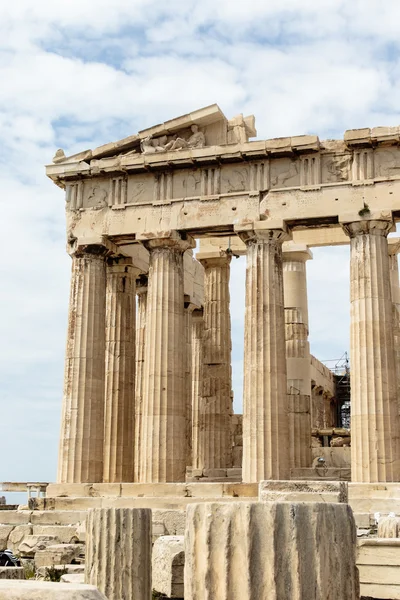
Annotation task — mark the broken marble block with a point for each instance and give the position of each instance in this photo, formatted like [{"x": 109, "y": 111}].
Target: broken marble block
[
  {"x": 118, "y": 552},
  {"x": 168, "y": 565},
  {"x": 282, "y": 550}
]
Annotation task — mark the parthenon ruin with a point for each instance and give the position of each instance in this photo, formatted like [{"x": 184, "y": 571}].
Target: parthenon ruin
[{"x": 135, "y": 209}]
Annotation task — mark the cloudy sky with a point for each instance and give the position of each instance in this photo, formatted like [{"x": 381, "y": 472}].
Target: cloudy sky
[{"x": 79, "y": 73}]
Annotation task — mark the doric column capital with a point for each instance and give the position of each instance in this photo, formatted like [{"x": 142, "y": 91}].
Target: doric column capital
[
  {"x": 99, "y": 246},
  {"x": 379, "y": 225},
  {"x": 220, "y": 258},
  {"x": 174, "y": 240},
  {"x": 263, "y": 231},
  {"x": 292, "y": 252}
]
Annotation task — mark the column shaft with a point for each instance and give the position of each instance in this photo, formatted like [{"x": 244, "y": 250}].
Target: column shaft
[
  {"x": 197, "y": 382},
  {"x": 163, "y": 435},
  {"x": 298, "y": 360},
  {"x": 265, "y": 417},
  {"x": 141, "y": 291},
  {"x": 82, "y": 426},
  {"x": 374, "y": 413},
  {"x": 395, "y": 291},
  {"x": 118, "y": 552},
  {"x": 120, "y": 371},
  {"x": 270, "y": 550},
  {"x": 188, "y": 380},
  {"x": 215, "y": 448}
]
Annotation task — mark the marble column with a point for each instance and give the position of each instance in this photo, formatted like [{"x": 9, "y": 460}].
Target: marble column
[
  {"x": 270, "y": 550},
  {"x": 375, "y": 453},
  {"x": 197, "y": 382},
  {"x": 163, "y": 429},
  {"x": 82, "y": 426},
  {"x": 394, "y": 248},
  {"x": 215, "y": 448},
  {"x": 120, "y": 370},
  {"x": 298, "y": 360},
  {"x": 141, "y": 291},
  {"x": 118, "y": 553},
  {"x": 265, "y": 416},
  {"x": 189, "y": 307}
]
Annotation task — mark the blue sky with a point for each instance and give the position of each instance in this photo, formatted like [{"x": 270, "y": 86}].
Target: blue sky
[{"x": 81, "y": 73}]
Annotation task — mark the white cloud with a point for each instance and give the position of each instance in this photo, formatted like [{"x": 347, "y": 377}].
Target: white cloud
[{"x": 84, "y": 72}]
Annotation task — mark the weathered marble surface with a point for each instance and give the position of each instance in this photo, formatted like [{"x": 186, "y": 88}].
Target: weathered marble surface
[{"x": 280, "y": 550}]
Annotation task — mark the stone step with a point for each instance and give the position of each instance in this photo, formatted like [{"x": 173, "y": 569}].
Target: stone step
[
  {"x": 373, "y": 505},
  {"x": 38, "y": 517},
  {"x": 374, "y": 490},
  {"x": 166, "y": 503},
  {"x": 378, "y": 562},
  {"x": 15, "y": 517},
  {"x": 57, "y": 517},
  {"x": 140, "y": 490},
  {"x": 303, "y": 491}
]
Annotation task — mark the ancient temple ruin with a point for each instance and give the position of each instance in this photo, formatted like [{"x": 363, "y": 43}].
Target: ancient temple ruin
[{"x": 135, "y": 209}]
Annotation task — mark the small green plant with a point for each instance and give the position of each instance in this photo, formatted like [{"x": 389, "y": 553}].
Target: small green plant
[
  {"x": 29, "y": 570},
  {"x": 53, "y": 574},
  {"x": 364, "y": 211}
]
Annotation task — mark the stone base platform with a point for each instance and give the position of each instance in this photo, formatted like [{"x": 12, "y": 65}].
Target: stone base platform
[
  {"x": 378, "y": 562},
  {"x": 175, "y": 496},
  {"x": 364, "y": 498}
]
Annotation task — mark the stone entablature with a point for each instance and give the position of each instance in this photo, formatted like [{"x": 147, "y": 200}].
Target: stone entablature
[{"x": 296, "y": 179}]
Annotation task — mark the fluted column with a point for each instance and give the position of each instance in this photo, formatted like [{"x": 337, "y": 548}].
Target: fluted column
[
  {"x": 141, "y": 291},
  {"x": 394, "y": 248},
  {"x": 265, "y": 417},
  {"x": 197, "y": 381},
  {"x": 118, "y": 552},
  {"x": 163, "y": 434},
  {"x": 270, "y": 550},
  {"x": 120, "y": 371},
  {"x": 374, "y": 413},
  {"x": 298, "y": 360},
  {"x": 215, "y": 447},
  {"x": 82, "y": 426},
  {"x": 188, "y": 379}
]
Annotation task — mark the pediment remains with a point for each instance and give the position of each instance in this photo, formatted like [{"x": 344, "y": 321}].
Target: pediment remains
[{"x": 204, "y": 127}]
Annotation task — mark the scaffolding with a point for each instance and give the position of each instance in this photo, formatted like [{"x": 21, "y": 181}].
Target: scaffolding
[{"x": 341, "y": 370}]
